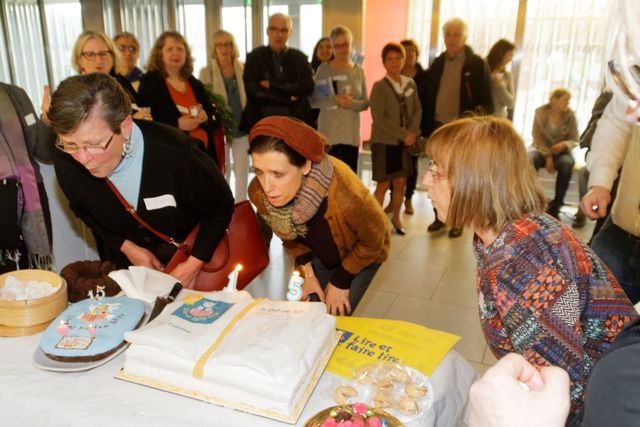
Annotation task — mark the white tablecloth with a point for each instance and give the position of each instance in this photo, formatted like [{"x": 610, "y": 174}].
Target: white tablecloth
[{"x": 33, "y": 397}]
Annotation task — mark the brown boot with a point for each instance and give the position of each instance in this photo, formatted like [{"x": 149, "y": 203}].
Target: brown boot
[{"x": 408, "y": 207}]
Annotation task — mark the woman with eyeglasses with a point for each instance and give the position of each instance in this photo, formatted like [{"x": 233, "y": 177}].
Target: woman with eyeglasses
[
  {"x": 129, "y": 48},
  {"x": 159, "y": 171},
  {"x": 224, "y": 74},
  {"x": 542, "y": 292},
  {"x": 175, "y": 97},
  {"x": 341, "y": 94}
]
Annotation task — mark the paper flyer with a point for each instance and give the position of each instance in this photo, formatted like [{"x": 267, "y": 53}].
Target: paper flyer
[{"x": 368, "y": 340}]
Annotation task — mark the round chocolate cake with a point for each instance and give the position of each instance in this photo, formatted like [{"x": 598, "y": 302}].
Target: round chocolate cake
[{"x": 84, "y": 277}]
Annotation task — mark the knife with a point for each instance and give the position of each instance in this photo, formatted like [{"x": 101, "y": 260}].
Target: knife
[{"x": 161, "y": 302}]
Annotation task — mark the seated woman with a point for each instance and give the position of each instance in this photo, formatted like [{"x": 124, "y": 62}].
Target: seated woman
[
  {"x": 175, "y": 97},
  {"x": 542, "y": 292},
  {"x": 396, "y": 113},
  {"x": 555, "y": 133},
  {"x": 172, "y": 184},
  {"x": 315, "y": 203}
]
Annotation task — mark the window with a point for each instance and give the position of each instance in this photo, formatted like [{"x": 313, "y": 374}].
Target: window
[
  {"x": 25, "y": 41},
  {"x": 420, "y": 28},
  {"x": 64, "y": 24},
  {"x": 5, "y": 74},
  {"x": 236, "y": 18},
  {"x": 191, "y": 25},
  {"x": 564, "y": 46},
  {"x": 147, "y": 19}
]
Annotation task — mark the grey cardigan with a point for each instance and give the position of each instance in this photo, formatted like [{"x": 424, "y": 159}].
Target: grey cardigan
[{"x": 385, "y": 111}]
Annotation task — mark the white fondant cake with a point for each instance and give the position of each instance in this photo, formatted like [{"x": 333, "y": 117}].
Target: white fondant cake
[
  {"x": 91, "y": 330},
  {"x": 258, "y": 353}
]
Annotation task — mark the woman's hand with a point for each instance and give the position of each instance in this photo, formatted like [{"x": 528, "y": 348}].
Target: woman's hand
[
  {"x": 311, "y": 286},
  {"x": 550, "y": 166},
  {"x": 558, "y": 148},
  {"x": 140, "y": 256},
  {"x": 188, "y": 123},
  {"x": 337, "y": 300},
  {"x": 143, "y": 114},
  {"x": 344, "y": 100},
  {"x": 187, "y": 271},
  {"x": 410, "y": 139}
]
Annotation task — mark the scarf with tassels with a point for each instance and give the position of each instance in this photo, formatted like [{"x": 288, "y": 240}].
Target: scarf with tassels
[
  {"x": 16, "y": 163},
  {"x": 290, "y": 222}
]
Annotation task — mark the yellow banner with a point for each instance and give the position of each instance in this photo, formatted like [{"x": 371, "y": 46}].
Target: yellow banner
[{"x": 367, "y": 340}]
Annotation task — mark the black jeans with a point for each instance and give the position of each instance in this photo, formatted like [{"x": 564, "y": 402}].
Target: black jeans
[{"x": 564, "y": 165}]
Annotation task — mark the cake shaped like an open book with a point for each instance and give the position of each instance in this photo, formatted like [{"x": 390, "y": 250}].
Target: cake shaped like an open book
[{"x": 254, "y": 355}]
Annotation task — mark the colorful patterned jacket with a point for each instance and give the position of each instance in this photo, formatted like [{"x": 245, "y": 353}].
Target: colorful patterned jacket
[{"x": 545, "y": 295}]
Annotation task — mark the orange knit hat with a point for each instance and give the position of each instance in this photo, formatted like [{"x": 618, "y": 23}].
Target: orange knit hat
[{"x": 296, "y": 134}]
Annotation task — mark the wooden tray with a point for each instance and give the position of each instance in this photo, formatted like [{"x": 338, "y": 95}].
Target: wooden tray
[
  {"x": 291, "y": 418},
  {"x": 26, "y": 317}
]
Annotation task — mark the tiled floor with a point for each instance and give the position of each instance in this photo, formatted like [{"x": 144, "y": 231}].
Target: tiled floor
[{"x": 428, "y": 279}]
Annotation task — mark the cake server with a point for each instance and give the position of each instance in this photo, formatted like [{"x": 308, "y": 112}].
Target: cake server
[{"x": 161, "y": 302}]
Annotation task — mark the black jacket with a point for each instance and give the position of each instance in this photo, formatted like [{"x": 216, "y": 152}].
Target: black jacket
[
  {"x": 295, "y": 79},
  {"x": 475, "y": 89},
  {"x": 153, "y": 92},
  {"x": 173, "y": 164}
]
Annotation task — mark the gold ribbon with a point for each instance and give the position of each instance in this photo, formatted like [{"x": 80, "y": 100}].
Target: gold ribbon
[{"x": 198, "y": 369}]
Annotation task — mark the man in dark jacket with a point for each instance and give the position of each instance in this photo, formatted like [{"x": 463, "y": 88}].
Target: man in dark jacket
[
  {"x": 278, "y": 79},
  {"x": 458, "y": 82}
]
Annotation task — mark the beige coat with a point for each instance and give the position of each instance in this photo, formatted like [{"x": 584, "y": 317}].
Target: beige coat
[{"x": 213, "y": 75}]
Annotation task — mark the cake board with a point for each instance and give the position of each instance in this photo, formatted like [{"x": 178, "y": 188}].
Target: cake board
[{"x": 291, "y": 418}]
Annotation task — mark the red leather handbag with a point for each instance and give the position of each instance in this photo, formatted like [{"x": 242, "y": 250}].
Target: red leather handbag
[{"x": 242, "y": 244}]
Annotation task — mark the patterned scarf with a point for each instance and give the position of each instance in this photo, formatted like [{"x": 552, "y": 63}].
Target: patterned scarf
[
  {"x": 290, "y": 221},
  {"x": 16, "y": 163}
]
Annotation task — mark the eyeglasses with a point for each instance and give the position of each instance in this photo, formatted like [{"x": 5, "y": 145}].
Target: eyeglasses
[
  {"x": 435, "y": 173},
  {"x": 225, "y": 44},
  {"x": 278, "y": 30},
  {"x": 90, "y": 56},
  {"x": 72, "y": 147},
  {"x": 124, "y": 48},
  {"x": 341, "y": 45}
]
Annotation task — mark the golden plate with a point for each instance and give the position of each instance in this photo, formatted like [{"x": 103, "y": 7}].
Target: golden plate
[{"x": 318, "y": 419}]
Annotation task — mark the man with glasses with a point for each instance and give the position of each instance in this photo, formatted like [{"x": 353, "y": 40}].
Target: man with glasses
[
  {"x": 157, "y": 170},
  {"x": 278, "y": 79},
  {"x": 129, "y": 49}
]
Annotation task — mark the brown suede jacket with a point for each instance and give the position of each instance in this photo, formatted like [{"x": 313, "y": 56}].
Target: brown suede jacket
[{"x": 358, "y": 225}]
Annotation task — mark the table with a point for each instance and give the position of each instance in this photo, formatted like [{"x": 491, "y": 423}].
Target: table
[{"x": 33, "y": 397}]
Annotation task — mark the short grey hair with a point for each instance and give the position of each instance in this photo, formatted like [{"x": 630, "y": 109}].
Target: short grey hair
[
  {"x": 340, "y": 30},
  {"x": 458, "y": 23},
  {"x": 77, "y": 97},
  {"x": 282, "y": 16}
]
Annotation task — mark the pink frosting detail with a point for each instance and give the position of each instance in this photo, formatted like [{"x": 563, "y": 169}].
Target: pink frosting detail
[
  {"x": 329, "y": 422},
  {"x": 360, "y": 408},
  {"x": 374, "y": 422}
]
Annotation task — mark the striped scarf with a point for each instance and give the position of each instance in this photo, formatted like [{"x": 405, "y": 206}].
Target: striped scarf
[{"x": 290, "y": 221}]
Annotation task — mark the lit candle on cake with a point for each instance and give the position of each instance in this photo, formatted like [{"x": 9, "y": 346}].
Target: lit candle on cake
[
  {"x": 233, "y": 279},
  {"x": 295, "y": 287},
  {"x": 92, "y": 330},
  {"x": 63, "y": 328}
]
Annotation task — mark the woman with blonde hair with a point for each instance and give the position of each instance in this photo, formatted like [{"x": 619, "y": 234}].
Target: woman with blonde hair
[
  {"x": 542, "y": 292},
  {"x": 175, "y": 97},
  {"x": 224, "y": 73},
  {"x": 555, "y": 133}
]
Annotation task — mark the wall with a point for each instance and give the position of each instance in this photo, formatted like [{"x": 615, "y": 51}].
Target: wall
[{"x": 384, "y": 21}]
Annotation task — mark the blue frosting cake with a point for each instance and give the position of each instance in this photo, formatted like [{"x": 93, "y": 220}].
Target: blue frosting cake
[{"x": 91, "y": 330}]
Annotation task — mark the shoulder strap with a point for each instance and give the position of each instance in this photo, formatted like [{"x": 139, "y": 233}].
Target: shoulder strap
[
  {"x": 404, "y": 111},
  {"x": 135, "y": 215}
]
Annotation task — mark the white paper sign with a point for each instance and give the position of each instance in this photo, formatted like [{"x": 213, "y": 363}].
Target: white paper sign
[{"x": 164, "y": 201}]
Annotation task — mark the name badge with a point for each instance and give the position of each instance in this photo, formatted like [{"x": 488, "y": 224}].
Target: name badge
[
  {"x": 408, "y": 93},
  {"x": 29, "y": 119},
  {"x": 164, "y": 201},
  {"x": 182, "y": 109},
  {"x": 339, "y": 78}
]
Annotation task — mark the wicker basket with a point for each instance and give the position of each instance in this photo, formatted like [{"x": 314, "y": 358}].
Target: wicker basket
[{"x": 26, "y": 317}]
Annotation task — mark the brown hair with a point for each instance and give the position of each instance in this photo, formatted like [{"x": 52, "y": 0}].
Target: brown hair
[
  {"x": 266, "y": 144},
  {"x": 491, "y": 177},
  {"x": 155, "y": 57},
  {"x": 78, "y": 96},
  {"x": 559, "y": 93},
  {"x": 410, "y": 43},
  {"x": 393, "y": 47}
]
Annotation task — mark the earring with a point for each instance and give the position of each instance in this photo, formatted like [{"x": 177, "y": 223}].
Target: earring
[{"x": 127, "y": 149}]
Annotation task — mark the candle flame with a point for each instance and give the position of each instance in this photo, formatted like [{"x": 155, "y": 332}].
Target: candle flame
[
  {"x": 238, "y": 267},
  {"x": 296, "y": 273}
]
